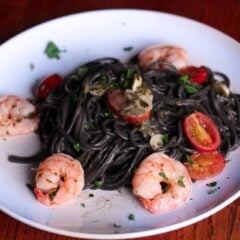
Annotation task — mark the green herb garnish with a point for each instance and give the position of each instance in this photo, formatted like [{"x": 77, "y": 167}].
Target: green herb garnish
[
  {"x": 83, "y": 205},
  {"x": 107, "y": 114},
  {"x": 116, "y": 225},
  {"x": 188, "y": 159},
  {"x": 32, "y": 66},
  {"x": 131, "y": 217},
  {"x": 82, "y": 71},
  {"x": 77, "y": 147},
  {"x": 98, "y": 183},
  {"x": 114, "y": 85},
  {"x": 127, "y": 49},
  {"x": 53, "y": 194},
  {"x": 165, "y": 138},
  {"x": 86, "y": 125},
  {"x": 213, "y": 191},
  {"x": 52, "y": 50},
  {"x": 212, "y": 184},
  {"x": 184, "y": 79},
  {"x": 103, "y": 79},
  {"x": 229, "y": 160},
  {"x": 190, "y": 88},
  {"x": 128, "y": 79},
  {"x": 162, "y": 174},
  {"x": 91, "y": 195},
  {"x": 180, "y": 181}
]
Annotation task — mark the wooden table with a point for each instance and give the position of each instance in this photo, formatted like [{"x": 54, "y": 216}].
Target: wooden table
[{"x": 18, "y": 15}]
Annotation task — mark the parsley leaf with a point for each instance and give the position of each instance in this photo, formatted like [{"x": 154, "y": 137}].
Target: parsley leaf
[
  {"x": 190, "y": 88},
  {"x": 83, "y": 205},
  {"x": 127, "y": 49},
  {"x": 98, "y": 183},
  {"x": 188, "y": 159},
  {"x": 32, "y": 66},
  {"x": 184, "y": 79},
  {"x": 52, "y": 50},
  {"x": 213, "y": 191},
  {"x": 53, "y": 194},
  {"x": 128, "y": 79},
  {"x": 82, "y": 71},
  {"x": 131, "y": 217},
  {"x": 212, "y": 184},
  {"x": 103, "y": 79},
  {"x": 91, "y": 195},
  {"x": 165, "y": 138},
  {"x": 162, "y": 174},
  {"x": 180, "y": 181},
  {"x": 114, "y": 85},
  {"x": 77, "y": 147},
  {"x": 116, "y": 225},
  {"x": 107, "y": 114}
]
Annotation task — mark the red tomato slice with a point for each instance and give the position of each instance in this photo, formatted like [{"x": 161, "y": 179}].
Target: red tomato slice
[
  {"x": 47, "y": 85},
  {"x": 196, "y": 74},
  {"x": 205, "y": 165},
  {"x": 117, "y": 102},
  {"x": 202, "y": 132}
]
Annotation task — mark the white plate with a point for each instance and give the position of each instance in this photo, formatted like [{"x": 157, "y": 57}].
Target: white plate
[{"x": 87, "y": 36}]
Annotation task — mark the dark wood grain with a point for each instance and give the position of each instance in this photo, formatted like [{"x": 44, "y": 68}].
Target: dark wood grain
[{"x": 18, "y": 15}]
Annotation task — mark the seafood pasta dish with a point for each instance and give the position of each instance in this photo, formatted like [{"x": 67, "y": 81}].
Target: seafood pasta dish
[{"x": 154, "y": 124}]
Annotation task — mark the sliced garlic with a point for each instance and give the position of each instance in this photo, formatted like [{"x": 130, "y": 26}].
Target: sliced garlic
[
  {"x": 95, "y": 90},
  {"x": 221, "y": 88},
  {"x": 137, "y": 82},
  {"x": 156, "y": 141}
]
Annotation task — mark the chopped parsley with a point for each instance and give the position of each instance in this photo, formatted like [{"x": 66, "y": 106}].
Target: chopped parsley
[
  {"x": 180, "y": 181},
  {"x": 52, "y": 50},
  {"x": 131, "y": 217},
  {"x": 228, "y": 160},
  {"x": 116, "y": 225},
  {"x": 184, "y": 79},
  {"x": 114, "y": 85},
  {"x": 162, "y": 174},
  {"x": 91, "y": 195},
  {"x": 98, "y": 183},
  {"x": 107, "y": 114},
  {"x": 83, "y": 205},
  {"x": 127, "y": 49},
  {"x": 86, "y": 125},
  {"x": 82, "y": 71},
  {"x": 103, "y": 79},
  {"x": 165, "y": 138},
  {"x": 32, "y": 66},
  {"x": 77, "y": 147},
  {"x": 128, "y": 79},
  {"x": 213, "y": 190},
  {"x": 188, "y": 159},
  {"x": 53, "y": 194},
  {"x": 188, "y": 86},
  {"x": 211, "y": 184}
]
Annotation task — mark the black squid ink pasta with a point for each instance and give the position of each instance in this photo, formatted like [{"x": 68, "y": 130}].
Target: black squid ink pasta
[{"x": 76, "y": 122}]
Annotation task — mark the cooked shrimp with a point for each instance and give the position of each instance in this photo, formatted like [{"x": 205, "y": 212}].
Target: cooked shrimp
[
  {"x": 174, "y": 55},
  {"x": 17, "y": 116},
  {"x": 161, "y": 183},
  {"x": 59, "y": 179}
]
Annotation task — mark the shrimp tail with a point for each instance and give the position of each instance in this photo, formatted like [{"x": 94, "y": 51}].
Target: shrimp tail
[{"x": 41, "y": 197}]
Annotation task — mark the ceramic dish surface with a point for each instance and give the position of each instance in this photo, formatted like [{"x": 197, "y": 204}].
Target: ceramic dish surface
[{"x": 84, "y": 37}]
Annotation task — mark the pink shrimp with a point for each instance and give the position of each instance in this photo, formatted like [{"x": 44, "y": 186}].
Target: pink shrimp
[
  {"x": 172, "y": 54},
  {"x": 161, "y": 183},
  {"x": 17, "y": 116},
  {"x": 59, "y": 179}
]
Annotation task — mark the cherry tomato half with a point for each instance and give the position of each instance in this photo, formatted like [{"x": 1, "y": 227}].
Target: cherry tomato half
[
  {"x": 202, "y": 132},
  {"x": 47, "y": 85},
  {"x": 117, "y": 102},
  {"x": 196, "y": 74},
  {"x": 205, "y": 165}
]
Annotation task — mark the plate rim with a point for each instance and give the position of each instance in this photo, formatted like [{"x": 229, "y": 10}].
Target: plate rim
[{"x": 144, "y": 233}]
